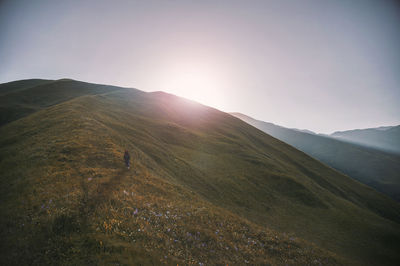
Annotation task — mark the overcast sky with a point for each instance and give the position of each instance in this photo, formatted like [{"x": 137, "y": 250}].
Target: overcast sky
[{"x": 318, "y": 65}]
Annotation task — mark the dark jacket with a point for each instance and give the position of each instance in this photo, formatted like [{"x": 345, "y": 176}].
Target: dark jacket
[{"x": 127, "y": 156}]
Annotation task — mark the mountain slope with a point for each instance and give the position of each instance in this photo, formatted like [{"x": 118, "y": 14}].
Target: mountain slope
[
  {"x": 383, "y": 138},
  {"x": 204, "y": 186},
  {"x": 21, "y": 98},
  {"x": 375, "y": 168},
  {"x": 17, "y": 85}
]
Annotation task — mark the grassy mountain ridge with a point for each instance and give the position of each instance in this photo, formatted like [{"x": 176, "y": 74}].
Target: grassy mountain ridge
[
  {"x": 78, "y": 204},
  {"x": 378, "y": 169},
  {"x": 21, "y": 98},
  {"x": 14, "y": 86},
  {"x": 216, "y": 173}
]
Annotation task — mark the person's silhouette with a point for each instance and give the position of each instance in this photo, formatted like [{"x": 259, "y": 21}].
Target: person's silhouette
[{"x": 127, "y": 157}]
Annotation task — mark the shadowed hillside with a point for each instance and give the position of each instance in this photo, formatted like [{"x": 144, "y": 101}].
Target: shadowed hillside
[
  {"x": 21, "y": 98},
  {"x": 204, "y": 187},
  {"x": 378, "y": 169}
]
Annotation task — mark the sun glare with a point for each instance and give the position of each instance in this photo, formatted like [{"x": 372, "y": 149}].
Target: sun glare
[{"x": 200, "y": 82}]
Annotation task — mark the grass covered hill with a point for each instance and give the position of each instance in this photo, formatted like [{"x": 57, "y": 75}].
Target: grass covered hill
[
  {"x": 21, "y": 98},
  {"x": 373, "y": 167},
  {"x": 204, "y": 188}
]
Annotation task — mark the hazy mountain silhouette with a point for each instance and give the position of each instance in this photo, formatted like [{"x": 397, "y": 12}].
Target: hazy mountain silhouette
[
  {"x": 373, "y": 167},
  {"x": 383, "y": 138},
  {"x": 304, "y": 131},
  {"x": 204, "y": 187}
]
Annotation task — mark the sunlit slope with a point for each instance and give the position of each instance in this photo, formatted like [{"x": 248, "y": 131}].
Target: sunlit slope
[
  {"x": 67, "y": 199},
  {"x": 376, "y": 168},
  {"x": 188, "y": 156}
]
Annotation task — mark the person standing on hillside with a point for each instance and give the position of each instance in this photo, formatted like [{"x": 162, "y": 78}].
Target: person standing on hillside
[{"x": 127, "y": 157}]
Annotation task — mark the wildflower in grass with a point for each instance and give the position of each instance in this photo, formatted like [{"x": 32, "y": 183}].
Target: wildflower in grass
[{"x": 89, "y": 179}]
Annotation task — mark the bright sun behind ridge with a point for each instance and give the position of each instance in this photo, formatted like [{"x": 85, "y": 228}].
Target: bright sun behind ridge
[
  {"x": 198, "y": 82},
  {"x": 181, "y": 132}
]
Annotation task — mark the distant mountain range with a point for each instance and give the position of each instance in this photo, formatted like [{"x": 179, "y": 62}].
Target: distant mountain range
[
  {"x": 383, "y": 138},
  {"x": 304, "y": 131},
  {"x": 376, "y": 168}
]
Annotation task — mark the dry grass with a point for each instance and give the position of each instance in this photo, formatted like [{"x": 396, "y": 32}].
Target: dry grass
[{"x": 204, "y": 188}]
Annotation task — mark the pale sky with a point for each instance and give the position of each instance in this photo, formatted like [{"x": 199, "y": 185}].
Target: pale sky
[{"x": 317, "y": 65}]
